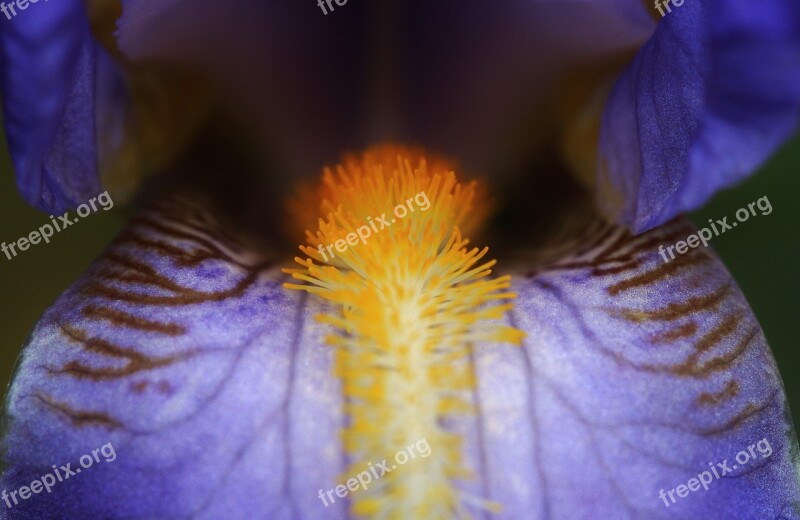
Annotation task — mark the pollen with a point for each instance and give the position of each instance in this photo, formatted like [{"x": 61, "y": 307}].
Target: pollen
[{"x": 412, "y": 298}]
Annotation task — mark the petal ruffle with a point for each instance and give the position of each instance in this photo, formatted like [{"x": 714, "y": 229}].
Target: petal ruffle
[
  {"x": 55, "y": 81},
  {"x": 712, "y": 95}
]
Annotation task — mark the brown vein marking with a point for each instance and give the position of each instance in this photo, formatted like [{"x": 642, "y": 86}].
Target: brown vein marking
[
  {"x": 747, "y": 412},
  {"x": 607, "y": 231},
  {"x": 725, "y": 328},
  {"x": 129, "y": 263},
  {"x": 215, "y": 231},
  {"x": 144, "y": 274},
  {"x": 649, "y": 241},
  {"x": 186, "y": 296},
  {"x": 690, "y": 367},
  {"x": 720, "y": 362},
  {"x": 661, "y": 271},
  {"x": 146, "y": 222},
  {"x": 645, "y": 241},
  {"x": 161, "y": 227},
  {"x": 162, "y": 387},
  {"x": 150, "y": 276},
  {"x": 616, "y": 244},
  {"x": 135, "y": 361},
  {"x": 682, "y": 331},
  {"x": 633, "y": 264},
  {"x": 182, "y": 257},
  {"x": 80, "y": 418},
  {"x": 675, "y": 311},
  {"x": 730, "y": 391},
  {"x": 196, "y": 217},
  {"x": 140, "y": 279},
  {"x": 630, "y": 260},
  {"x": 124, "y": 319}
]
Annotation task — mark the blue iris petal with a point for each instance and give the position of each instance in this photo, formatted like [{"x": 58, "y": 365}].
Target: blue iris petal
[
  {"x": 50, "y": 92},
  {"x": 216, "y": 389},
  {"x": 712, "y": 94}
]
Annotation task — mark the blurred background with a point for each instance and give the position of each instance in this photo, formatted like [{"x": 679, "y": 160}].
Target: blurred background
[{"x": 762, "y": 255}]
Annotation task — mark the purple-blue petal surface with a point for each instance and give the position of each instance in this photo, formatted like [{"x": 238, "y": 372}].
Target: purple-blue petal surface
[
  {"x": 712, "y": 94},
  {"x": 635, "y": 375},
  {"x": 215, "y": 387},
  {"x": 211, "y": 382},
  {"x": 53, "y": 74}
]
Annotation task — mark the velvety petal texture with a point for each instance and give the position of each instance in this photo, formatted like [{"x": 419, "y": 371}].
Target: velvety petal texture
[
  {"x": 712, "y": 94},
  {"x": 55, "y": 81},
  {"x": 215, "y": 387},
  {"x": 184, "y": 352},
  {"x": 636, "y": 375}
]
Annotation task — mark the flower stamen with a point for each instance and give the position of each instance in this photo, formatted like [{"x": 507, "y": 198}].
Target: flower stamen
[{"x": 414, "y": 299}]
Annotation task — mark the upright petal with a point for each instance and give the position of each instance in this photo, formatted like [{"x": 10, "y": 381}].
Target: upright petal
[
  {"x": 56, "y": 80},
  {"x": 714, "y": 92}
]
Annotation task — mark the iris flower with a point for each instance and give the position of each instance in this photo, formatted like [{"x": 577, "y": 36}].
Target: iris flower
[{"x": 578, "y": 377}]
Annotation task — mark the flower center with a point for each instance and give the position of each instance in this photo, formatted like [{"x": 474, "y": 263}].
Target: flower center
[{"x": 413, "y": 299}]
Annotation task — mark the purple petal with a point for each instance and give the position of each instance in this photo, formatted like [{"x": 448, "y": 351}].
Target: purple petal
[
  {"x": 55, "y": 80},
  {"x": 214, "y": 386},
  {"x": 634, "y": 376},
  {"x": 210, "y": 380},
  {"x": 710, "y": 97}
]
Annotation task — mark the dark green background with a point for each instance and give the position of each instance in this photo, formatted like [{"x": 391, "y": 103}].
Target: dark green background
[{"x": 762, "y": 255}]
